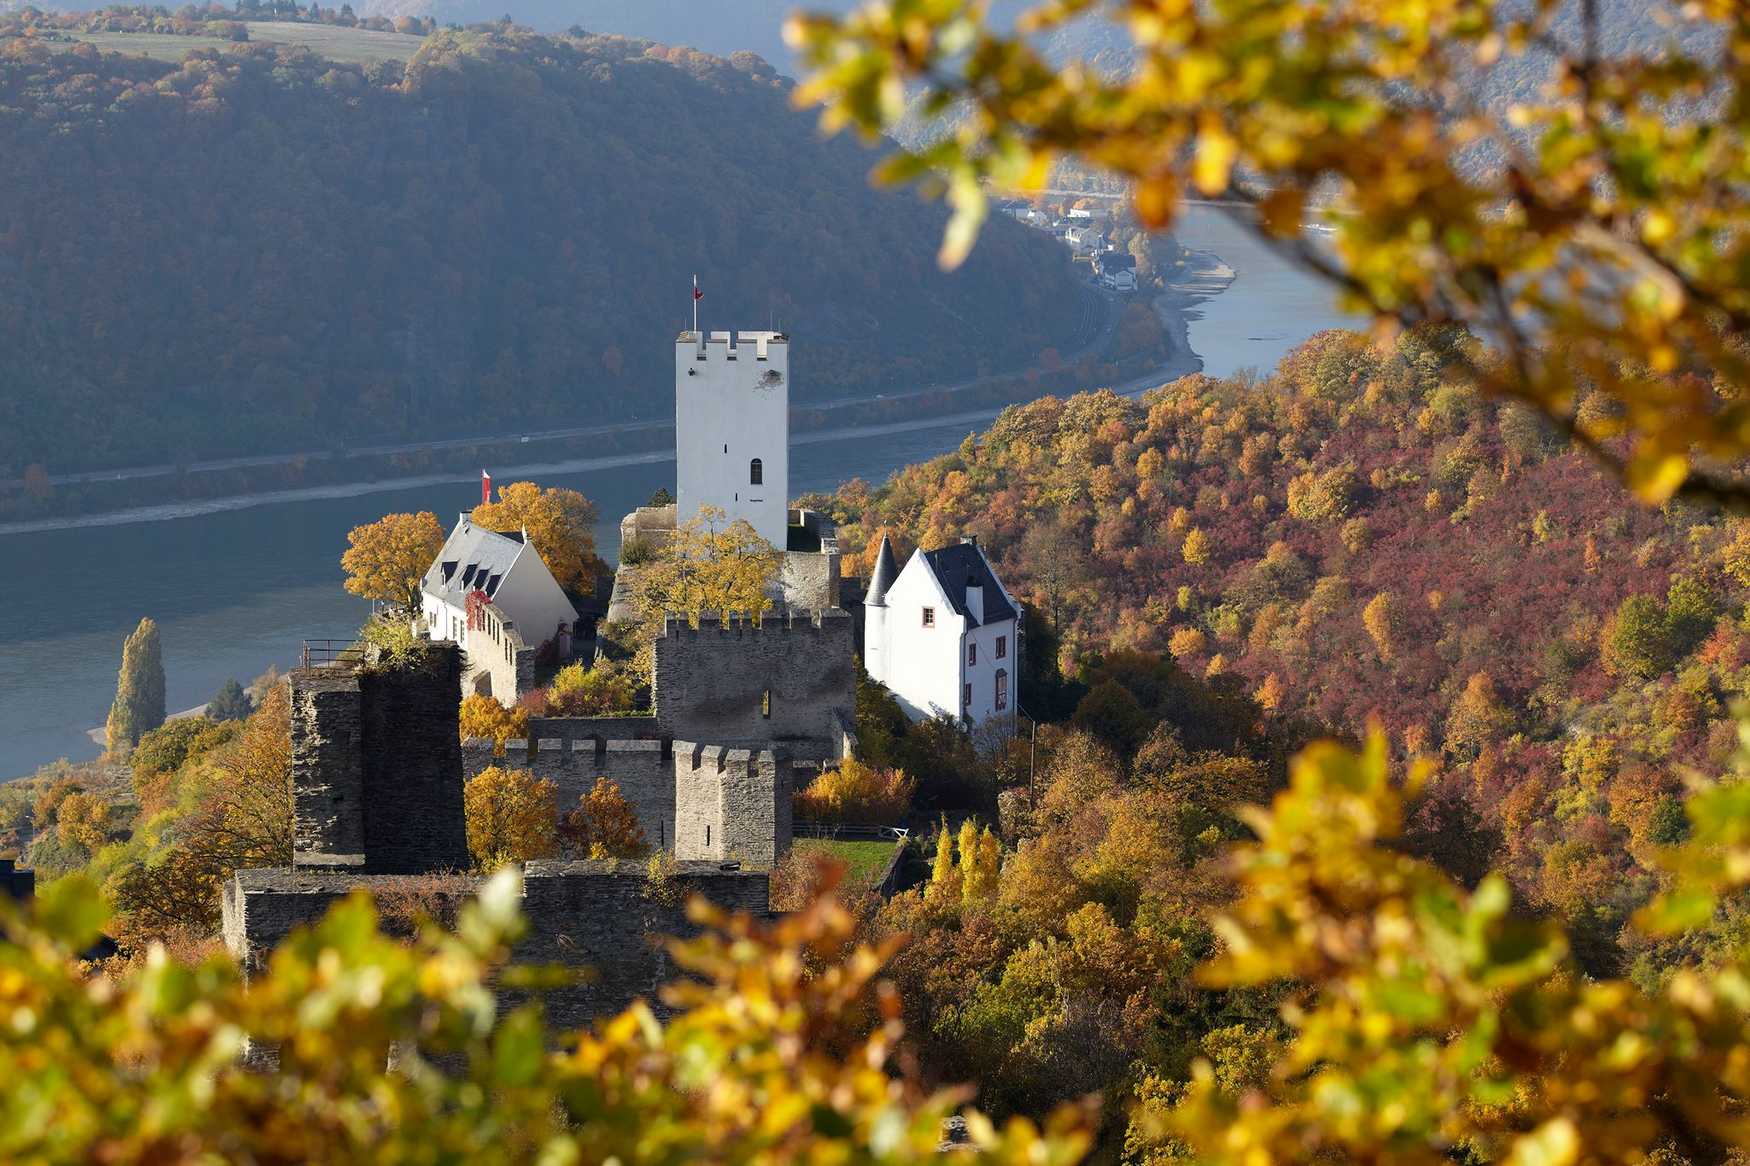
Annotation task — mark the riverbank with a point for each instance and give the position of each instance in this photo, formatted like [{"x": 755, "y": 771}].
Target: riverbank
[
  {"x": 1204, "y": 277},
  {"x": 580, "y": 450},
  {"x": 1095, "y": 352}
]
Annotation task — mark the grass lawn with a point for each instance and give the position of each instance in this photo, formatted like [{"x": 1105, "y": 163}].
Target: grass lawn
[
  {"x": 351, "y": 45},
  {"x": 864, "y": 861}
]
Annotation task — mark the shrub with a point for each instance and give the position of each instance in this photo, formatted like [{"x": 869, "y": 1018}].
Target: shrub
[
  {"x": 143, "y": 1067},
  {"x": 857, "y": 793},
  {"x": 603, "y": 825},
  {"x": 586, "y": 692},
  {"x": 482, "y": 716}
]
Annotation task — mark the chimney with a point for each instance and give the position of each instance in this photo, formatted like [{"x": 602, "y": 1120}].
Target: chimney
[
  {"x": 970, "y": 540},
  {"x": 975, "y": 598}
]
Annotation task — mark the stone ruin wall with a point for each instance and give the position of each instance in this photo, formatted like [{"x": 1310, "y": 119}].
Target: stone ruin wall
[
  {"x": 377, "y": 794},
  {"x": 644, "y": 771},
  {"x": 712, "y": 683},
  {"x": 696, "y": 802},
  {"x": 732, "y": 805},
  {"x": 607, "y": 917},
  {"x": 376, "y": 766}
]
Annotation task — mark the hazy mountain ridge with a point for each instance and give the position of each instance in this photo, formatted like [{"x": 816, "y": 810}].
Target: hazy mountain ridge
[{"x": 261, "y": 249}]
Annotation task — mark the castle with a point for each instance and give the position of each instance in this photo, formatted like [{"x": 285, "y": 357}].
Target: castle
[{"x": 740, "y": 707}]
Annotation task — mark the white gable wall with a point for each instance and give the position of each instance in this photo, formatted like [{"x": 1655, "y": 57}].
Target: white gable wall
[
  {"x": 923, "y": 663},
  {"x": 531, "y": 598}
]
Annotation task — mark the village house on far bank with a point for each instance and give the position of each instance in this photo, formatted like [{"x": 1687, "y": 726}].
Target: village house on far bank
[
  {"x": 942, "y": 635},
  {"x": 491, "y": 593}
]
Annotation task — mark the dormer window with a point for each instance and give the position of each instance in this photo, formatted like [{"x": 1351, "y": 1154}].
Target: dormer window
[
  {"x": 929, "y": 617},
  {"x": 756, "y": 472}
]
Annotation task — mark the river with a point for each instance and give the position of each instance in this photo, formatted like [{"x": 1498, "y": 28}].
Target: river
[{"x": 234, "y": 590}]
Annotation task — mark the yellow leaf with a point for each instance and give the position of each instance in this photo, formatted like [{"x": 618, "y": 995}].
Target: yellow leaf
[
  {"x": 1282, "y": 211},
  {"x": 1554, "y": 1143},
  {"x": 1157, "y": 199},
  {"x": 1655, "y": 478},
  {"x": 1216, "y": 151},
  {"x": 1658, "y": 227}
]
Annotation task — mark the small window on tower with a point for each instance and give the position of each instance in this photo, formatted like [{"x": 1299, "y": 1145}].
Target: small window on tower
[
  {"x": 756, "y": 472},
  {"x": 929, "y": 617},
  {"x": 766, "y": 704}
]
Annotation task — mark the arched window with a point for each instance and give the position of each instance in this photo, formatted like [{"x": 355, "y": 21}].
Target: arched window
[{"x": 756, "y": 472}]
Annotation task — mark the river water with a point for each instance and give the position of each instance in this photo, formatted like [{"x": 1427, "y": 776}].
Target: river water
[{"x": 236, "y": 590}]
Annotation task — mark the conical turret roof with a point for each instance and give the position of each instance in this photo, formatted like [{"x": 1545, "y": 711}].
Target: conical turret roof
[{"x": 886, "y": 570}]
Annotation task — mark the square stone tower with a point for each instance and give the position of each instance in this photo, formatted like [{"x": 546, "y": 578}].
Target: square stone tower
[{"x": 732, "y": 428}]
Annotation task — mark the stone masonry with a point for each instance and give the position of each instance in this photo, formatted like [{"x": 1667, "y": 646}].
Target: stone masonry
[
  {"x": 377, "y": 793},
  {"x": 376, "y": 779},
  {"x": 681, "y": 791},
  {"x": 605, "y": 917},
  {"x": 732, "y": 804},
  {"x": 328, "y": 768},
  {"x": 644, "y": 771},
  {"x": 785, "y": 681}
]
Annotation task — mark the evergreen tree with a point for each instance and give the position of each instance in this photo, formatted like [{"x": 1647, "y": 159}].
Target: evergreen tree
[
  {"x": 139, "y": 690},
  {"x": 231, "y": 703}
]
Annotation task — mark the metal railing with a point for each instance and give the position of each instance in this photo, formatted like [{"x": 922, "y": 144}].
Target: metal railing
[
  {"x": 328, "y": 653},
  {"x": 847, "y": 833}
]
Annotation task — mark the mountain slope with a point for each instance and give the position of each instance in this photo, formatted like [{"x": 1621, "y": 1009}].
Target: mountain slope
[
  {"x": 1353, "y": 541},
  {"x": 260, "y": 249}
]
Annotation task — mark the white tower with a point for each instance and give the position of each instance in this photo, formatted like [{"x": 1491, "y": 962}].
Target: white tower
[{"x": 732, "y": 428}]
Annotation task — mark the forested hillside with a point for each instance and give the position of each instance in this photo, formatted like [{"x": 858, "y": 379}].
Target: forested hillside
[
  {"x": 261, "y": 249},
  {"x": 1350, "y": 541}
]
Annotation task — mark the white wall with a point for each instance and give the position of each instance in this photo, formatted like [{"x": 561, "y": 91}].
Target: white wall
[
  {"x": 982, "y": 675},
  {"x": 729, "y": 410},
  {"x": 924, "y": 664},
  {"x": 530, "y": 597}
]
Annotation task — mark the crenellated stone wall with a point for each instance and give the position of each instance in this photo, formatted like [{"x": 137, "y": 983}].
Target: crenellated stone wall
[
  {"x": 696, "y": 802},
  {"x": 643, "y": 769},
  {"x": 784, "y": 681},
  {"x": 732, "y": 805}
]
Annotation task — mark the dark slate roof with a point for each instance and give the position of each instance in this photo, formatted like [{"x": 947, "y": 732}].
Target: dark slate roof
[
  {"x": 1114, "y": 260},
  {"x": 473, "y": 559},
  {"x": 961, "y": 565},
  {"x": 886, "y": 571}
]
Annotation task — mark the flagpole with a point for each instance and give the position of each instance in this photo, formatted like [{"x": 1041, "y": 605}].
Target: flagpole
[{"x": 695, "y": 302}]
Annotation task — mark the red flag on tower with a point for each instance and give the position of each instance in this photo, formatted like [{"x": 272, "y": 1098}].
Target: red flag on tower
[
  {"x": 485, "y": 487},
  {"x": 697, "y": 296}
]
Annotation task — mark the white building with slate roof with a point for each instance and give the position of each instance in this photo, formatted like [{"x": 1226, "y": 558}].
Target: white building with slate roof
[
  {"x": 943, "y": 635},
  {"x": 508, "y": 571}
]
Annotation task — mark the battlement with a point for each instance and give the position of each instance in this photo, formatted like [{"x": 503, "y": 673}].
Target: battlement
[
  {"x": 732, "y": 804},
  {"x": 667, "y": 783},
  {"x": 832, "y": 621},
  {"x": 730, "y": 345},
  {"x": 719, "y": 758}
]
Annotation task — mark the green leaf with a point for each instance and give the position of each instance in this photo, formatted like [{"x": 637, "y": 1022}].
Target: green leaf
[{"x": 72, "y": 911}]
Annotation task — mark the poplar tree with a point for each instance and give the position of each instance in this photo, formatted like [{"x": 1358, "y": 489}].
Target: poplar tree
[
  {"x": 139, "y": 689},
  {"x": 942, "y": 874}
]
